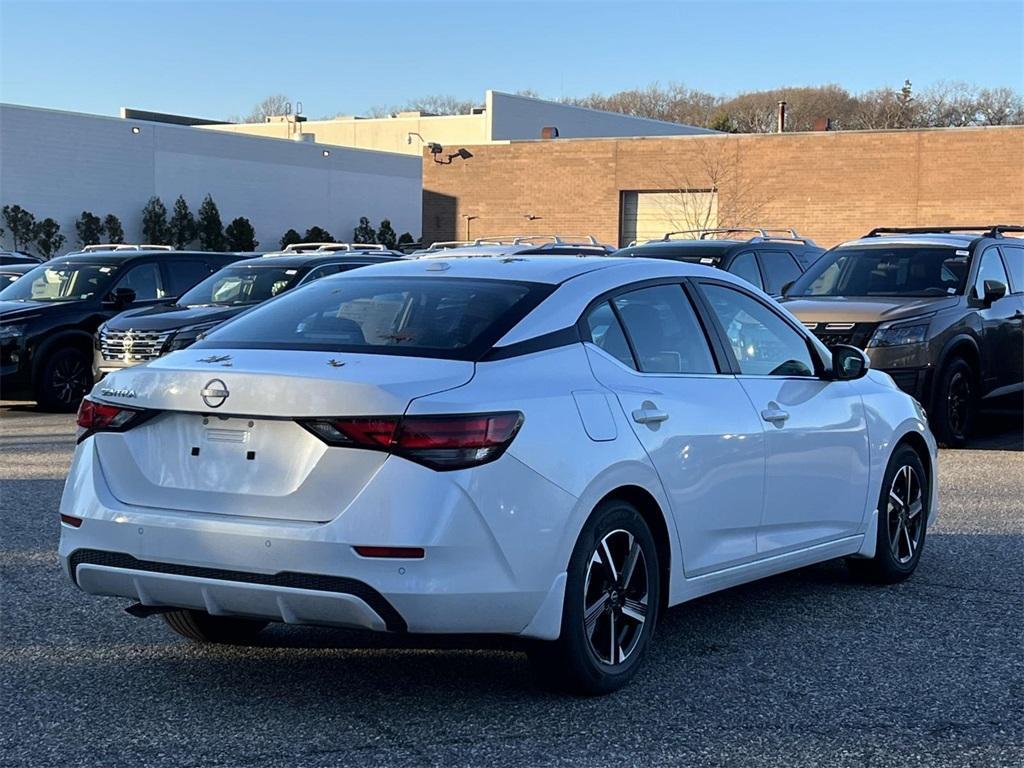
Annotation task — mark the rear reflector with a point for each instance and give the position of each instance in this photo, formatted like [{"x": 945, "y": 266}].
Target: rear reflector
[
  {"x": 74, "y": 522},
  {"x": 442, "y": 442},
  {"x": 406, "y": 552}
]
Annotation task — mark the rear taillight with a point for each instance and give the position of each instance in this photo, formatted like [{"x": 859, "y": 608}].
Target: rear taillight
[
  {"x": 439, "y": 442},
  {"x": 96, "y": 417}
]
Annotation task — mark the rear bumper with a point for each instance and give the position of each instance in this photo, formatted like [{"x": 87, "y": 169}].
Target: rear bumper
[{"x": 471, "y": 579}]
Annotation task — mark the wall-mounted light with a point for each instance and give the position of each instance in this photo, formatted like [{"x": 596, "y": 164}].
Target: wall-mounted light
[
  {"x": 327, "y": 153},
  {"x": 136, "y": 129}
]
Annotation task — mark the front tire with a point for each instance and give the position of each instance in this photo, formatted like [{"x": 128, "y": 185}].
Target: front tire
[
  {"x": 65, "y": 377},
  {"x": 903, "y": 508},
  {"x": 612, "y": 595},
  {"x": 955, "y": 403},
  {"x": 201, "y": 627}
]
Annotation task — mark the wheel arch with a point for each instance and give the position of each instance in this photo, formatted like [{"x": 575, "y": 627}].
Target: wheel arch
[
  {"x": 962, "y": 345},
  {"x": 69, "y": 337}
]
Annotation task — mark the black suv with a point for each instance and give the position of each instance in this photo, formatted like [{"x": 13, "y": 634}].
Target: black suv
[
  {"x": 48, "y": 316},
  {"x": 146, "y": 333},
  {"x": 940, "y": 309},
  {"x": 766, "y": 260}
]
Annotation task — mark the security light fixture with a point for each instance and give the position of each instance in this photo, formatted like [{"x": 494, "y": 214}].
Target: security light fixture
[
  {"x": 327, "y": 153},
  {"x": 462, "y": 154},
  {"x": 136, "y": 129}
]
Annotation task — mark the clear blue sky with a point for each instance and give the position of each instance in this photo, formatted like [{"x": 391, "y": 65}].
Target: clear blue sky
[{"x": 214, "y": 59}]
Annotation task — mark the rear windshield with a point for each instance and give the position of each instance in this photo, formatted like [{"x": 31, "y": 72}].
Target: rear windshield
[
  {"x": 421, "y": 316},
  {"x": 233, "y": 286},
  {"x": 695, "y": 252},
  {"x": 896, "y": 270}
]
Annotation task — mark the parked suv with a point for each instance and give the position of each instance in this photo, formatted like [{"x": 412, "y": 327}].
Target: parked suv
[
  {"x": 519, "y": 245},
  {"x": 48, "y": 316},
  {"x": 940, "y": 309},
  {"x": 769, "y": 261},
  {"x": 147, "y": 333}
]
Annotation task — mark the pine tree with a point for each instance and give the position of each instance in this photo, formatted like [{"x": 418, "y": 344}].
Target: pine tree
[
  {"x": 21, "y": 223},
  {"x": 386, "y": 236},
  {"x": 240, "y": 235},
  {"x": 317, "y": 235},
  {"x": 290, "y": 238},
  {"x": 211, "y": 231},
  {"x": 364, "y": 232},
  {"x": 155, "y": 229},
  {"x": 49, "y": 240},
  {"x": 183, "y": 224},
  {"x": 406, "y": 238},
  {"x": 112, "y": 226},
  {"x": 89, "y": 228}
]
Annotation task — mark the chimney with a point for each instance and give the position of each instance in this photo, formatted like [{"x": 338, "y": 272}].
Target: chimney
[
  {"x": 823, "y": 124},
  {"x": 781, "y": 125},
  {"x": 549, "y": 132}
]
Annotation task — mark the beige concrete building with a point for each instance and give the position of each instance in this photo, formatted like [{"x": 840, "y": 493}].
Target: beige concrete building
[{"x": 503, "y": 117}]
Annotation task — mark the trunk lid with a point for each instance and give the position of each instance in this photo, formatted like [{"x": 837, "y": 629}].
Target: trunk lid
[{"x": 243, "y": 454}]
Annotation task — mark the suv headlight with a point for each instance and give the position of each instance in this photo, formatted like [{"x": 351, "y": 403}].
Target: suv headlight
[
  {"x": 898, "y": 334},
  {"x": 8, "y": 332},
  {"x": 186, "y": 337}
]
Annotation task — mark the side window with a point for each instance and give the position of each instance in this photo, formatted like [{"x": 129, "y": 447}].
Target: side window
[
  {"x": 321, "y": 271},
  {"x": 665, "y": 332},
  {"x": 607, "y": 334},
  {"x": 1013, "y": 255},
  {"x": 144, "y": 279},
  {"x": 779, "y": 268},
  {"x": 745, "y": 266},
  {"x": 183, "y": 274},
  {"x": 763, "y": 343},
  {"x": 990, "y": 268}
]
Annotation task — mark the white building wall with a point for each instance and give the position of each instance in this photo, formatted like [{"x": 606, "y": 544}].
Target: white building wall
[
  {"x": 522, "y": 118},
  {"x": 57, "y": 164}
]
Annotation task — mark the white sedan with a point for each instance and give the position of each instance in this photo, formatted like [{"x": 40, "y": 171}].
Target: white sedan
[{"x": 547, "y": 447}]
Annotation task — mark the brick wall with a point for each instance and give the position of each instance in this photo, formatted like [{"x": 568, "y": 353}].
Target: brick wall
[{"x": 830, "y": 186}]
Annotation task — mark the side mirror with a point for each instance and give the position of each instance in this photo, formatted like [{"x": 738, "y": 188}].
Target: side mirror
[
  {"x": 994, "y": 291},
  {"x": 120, "y": 298},
  {"x": 849, "y": 363}
]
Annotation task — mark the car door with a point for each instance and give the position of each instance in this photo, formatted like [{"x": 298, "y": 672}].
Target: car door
[
  {"x": 816, "y": 441},
  {"x": 145, "y": 280},
  {"x": 182, "y": 273},
  {"x": 744, "y": 265},
  {"x": 1013, "y": 257},
  {"x": 1000, "y": 325},
  {"x": 696, "y": 424}
]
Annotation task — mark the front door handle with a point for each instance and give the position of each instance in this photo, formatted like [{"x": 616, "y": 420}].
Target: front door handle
[
  {"x": 774, "y": 415},
  {"x": 649, "y": 416}
]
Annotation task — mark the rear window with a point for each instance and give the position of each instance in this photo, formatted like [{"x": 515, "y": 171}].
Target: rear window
[{"x": 421, "y": 316}]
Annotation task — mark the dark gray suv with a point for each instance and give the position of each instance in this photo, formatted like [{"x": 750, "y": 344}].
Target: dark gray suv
[{"x": 940, "y": 309}]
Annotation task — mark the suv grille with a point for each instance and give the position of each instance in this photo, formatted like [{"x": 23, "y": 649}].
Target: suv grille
[
  {"x": 831, "y": 334},
  {"x": 132, "y": 346}
]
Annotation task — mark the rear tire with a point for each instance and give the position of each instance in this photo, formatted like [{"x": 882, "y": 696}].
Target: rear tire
[
  {"x": 955, "y": 403},
  {"x": 612, "y": 595},
  {"x": 201, "y": 627},
  {"x": 903, "y": 508},
  {"x": 65, "y": 377}
]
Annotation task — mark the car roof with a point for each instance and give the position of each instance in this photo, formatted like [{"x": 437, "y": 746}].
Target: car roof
[
  {"x": 552, "y": 270},
  {"x": 955, "y": 240},
  {"x": 314, "y": 258},
  {"x": 22, "y": 267},
  {"x": 119, "y": 257}
]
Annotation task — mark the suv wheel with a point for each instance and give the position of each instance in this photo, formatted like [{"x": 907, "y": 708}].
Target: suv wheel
[
  {"x": 902, "y": 521},
  {"x": 64, "y": 379},
  {"x": 955, "y": 403},
  {"x": 612, "y": 596}
]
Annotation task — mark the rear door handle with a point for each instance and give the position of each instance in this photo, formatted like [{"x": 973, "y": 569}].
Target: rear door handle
[
  {"x": 775, "y": 415},
  {"x": 649, "y": 416}
]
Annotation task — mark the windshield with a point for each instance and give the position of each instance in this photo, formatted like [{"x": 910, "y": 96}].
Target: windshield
[
  {"x": 241, "y": 285},
  {"x": 426, "y": 317},
  {"x": 61, "y": 282},
  {"x": 881, "y": 270}
]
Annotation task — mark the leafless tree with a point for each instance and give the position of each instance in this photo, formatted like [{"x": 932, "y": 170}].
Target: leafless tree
[{"x": 277, "y": 104}]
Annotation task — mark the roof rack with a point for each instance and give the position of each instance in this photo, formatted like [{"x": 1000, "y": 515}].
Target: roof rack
[
  {"x": 124, "y": 247},
  {"x": 761, "y": 234},
  {"x": 987, "y": 230},
  {"x": 329, "y": 247},
  {"x": 536, "y": 240}
]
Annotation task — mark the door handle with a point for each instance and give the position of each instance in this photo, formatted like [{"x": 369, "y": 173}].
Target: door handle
[
  {"x": 649, "y": 416},
  {"x": 775, "y": 415}
]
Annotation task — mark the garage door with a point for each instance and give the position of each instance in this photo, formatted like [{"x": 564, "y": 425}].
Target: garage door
[{"x": 649, "y": 215}]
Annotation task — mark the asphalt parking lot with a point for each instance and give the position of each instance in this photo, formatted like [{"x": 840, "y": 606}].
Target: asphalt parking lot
[{"x": 809, "y": 668}]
